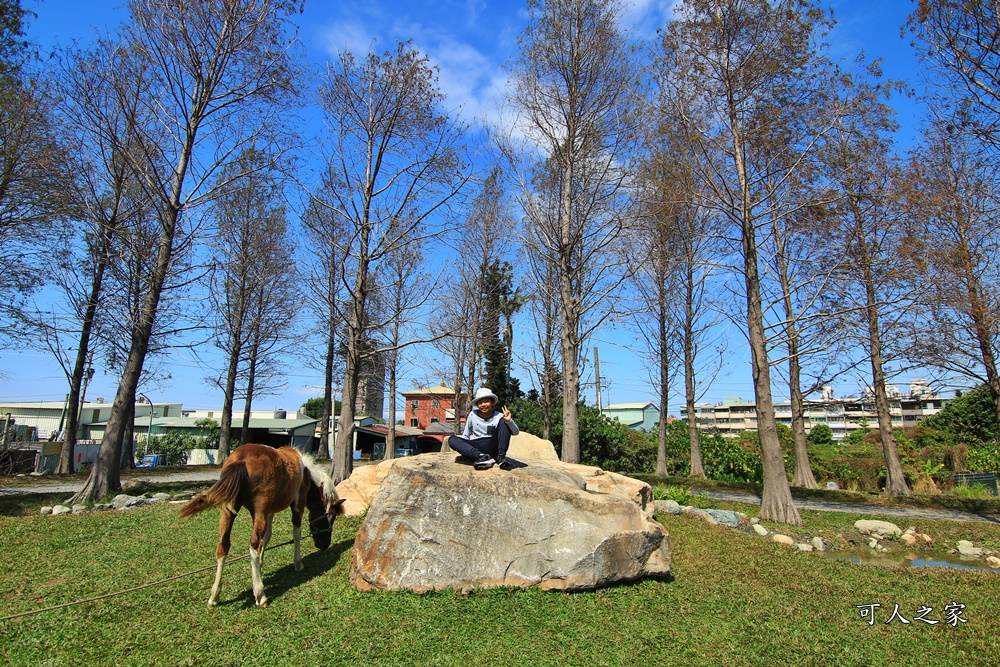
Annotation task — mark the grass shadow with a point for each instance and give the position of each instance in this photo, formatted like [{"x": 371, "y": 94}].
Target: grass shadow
[{"x": 285, "y": 578}]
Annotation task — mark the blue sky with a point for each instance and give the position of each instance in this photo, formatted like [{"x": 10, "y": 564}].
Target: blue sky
[{"x": 469, "y": 41}]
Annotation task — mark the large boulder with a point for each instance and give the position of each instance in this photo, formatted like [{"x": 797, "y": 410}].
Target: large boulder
[
  {"x": 360, "y": 489},
  {"x": 438, "y": 524}
]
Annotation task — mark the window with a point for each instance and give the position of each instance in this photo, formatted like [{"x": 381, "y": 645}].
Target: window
[
  {"x": 97, "y": 416},
  {"x": 413, "y": 422},
  {"x": 435, "y": 403},
  {"x": 414, "y": 404},
  {"x": 434, "y": 420}
]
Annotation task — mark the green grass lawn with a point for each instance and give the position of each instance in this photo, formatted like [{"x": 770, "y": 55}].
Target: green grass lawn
[{"x": 733, "y": 599}]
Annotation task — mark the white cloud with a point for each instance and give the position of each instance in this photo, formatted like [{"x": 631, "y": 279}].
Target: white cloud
[{"x": 349, "y": 36}]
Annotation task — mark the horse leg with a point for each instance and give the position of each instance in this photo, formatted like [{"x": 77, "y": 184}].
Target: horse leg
[
  {"x": 260, "y": 522},
  {"x": 267, "y": 540},
  {"x": 297, "y": 537},
  {"x": 225, "y": 528}
]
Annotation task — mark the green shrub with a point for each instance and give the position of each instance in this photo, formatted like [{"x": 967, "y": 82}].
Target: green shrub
[
  {"x": 973, "y": 491},
  {"x": 731, "y": 461},
  {"x": 970, "y": 419},
  {"x": 175, "y": 445},
  {"x": 820, "y": 435},
  {"x": 679, "y": 494},
  {"x": 982, "y": 459}
]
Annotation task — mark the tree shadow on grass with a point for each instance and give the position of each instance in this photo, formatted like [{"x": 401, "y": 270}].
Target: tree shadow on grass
[{"x": 314, "y": 563}]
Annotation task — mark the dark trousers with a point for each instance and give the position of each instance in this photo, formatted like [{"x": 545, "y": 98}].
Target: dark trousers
[{"x": 495, "y": 445}]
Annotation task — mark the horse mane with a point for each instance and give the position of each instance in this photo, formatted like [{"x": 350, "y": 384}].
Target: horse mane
[{"x": 321, "y": 476}]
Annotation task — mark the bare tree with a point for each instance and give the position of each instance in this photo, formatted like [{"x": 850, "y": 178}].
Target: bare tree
[
  {"x": 676, "y": 237},
  {"x": 859, "y": 163},
  {"x": 960, "y": 40},
  {"x": 34, "y": 174},
  {"x": 325, "y": 280},
  {"x": 406, "y": 290},
  {"x": 753, "y": 71},
  {"x": 219, "y": 72},
  {"x": 251, "y": 285},
  {"x": 106, "y": 196},
  {"x": 395, "y": 162},
  {"x": 572, "y": 88},
  {"x": 952, "y": 200}
]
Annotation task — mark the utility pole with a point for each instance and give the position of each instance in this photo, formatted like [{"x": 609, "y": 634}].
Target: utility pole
[{"x": 597, "y": 375}]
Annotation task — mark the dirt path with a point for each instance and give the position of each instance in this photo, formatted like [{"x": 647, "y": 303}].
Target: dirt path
[{"x": 857, "y": 508}]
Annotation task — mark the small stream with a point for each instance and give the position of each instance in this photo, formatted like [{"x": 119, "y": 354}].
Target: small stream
[{"x": 910, "y": 560}]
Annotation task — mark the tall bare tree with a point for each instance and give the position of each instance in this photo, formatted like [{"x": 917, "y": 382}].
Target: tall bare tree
[
  {"x": 251, "y": 284},
  {"x": 325, "y": 281},
  {"x": 859, "y": 163},
  {"x": 220, "y": 72},
  {"x": 395, "y": 162},
  {"x": 106, "y": 195},
  {"x": 753, "y": 70},
  {"x": 572, "y": 89},
  {"x": 406, "y": 290},
  {"x": 676, "y": 236},
  {"x": 952, "y": 195}
]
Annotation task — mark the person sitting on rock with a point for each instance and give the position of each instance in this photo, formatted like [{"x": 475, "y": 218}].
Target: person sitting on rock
[{"x": 487, "y": 434}]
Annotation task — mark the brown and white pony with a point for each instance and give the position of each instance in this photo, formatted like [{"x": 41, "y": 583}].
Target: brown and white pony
[{"x": 266, "y": 480}]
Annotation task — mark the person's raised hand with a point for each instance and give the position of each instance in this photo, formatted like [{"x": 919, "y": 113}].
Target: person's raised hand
[{"x": 506, "y": 413}]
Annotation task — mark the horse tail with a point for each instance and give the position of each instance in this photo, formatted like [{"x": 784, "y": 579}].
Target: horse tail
[{"x": 226, "y": 491}]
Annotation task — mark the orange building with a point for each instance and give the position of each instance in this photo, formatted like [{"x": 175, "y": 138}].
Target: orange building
[{"x": 431, "y": 405}]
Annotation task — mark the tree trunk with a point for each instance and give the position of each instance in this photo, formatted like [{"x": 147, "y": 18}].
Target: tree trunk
[
  {"x": 895, "y": 481},
  {"x": 569, "y": 320},
  {"x": 324, "y": 428},
  {"x": 248, "y": 403},
  {"x": 697, "y": 467},
  {"x": 776, "y": 497},
  {"x": 390, "y": 439},
  {"x": 228, "y": 396},
  {"x": 343, "y": 455},
  {"x": 803, "y": 471},
  {"x": 661, "y": 439},
  {"x": 104, "y": 479},
  {"x": 128, "y": 443},
  {"x": 80, "y": 366},
  {"x": 343, "y": 451}
]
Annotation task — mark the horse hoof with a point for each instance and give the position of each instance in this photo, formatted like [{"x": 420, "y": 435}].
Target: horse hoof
[
  {"x": 212, "y": 603},
  {"x": 299, "y": 567},
  {"x": 262, "y": 602}
]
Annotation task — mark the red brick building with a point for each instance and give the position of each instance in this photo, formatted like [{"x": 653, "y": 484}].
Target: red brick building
[{"x": 431, "y": 405}]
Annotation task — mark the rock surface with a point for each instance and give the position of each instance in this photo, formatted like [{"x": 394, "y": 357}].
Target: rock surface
[
  {"x": 437, "y": 524},
  {"x": 667, "y": 506},
  {"x": 361, "y": 488},
  {"x": 879, "y": 528}
]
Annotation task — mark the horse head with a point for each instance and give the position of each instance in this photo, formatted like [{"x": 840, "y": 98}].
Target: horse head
[{"x": 322, "y": 502}]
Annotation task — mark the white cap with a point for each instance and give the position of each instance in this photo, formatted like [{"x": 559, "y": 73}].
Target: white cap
[{"x": 484, "y": 392}]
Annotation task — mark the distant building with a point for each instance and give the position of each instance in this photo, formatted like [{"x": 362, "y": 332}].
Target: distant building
[
  {"x": 731, "y": 418},
  {"x": 637, "y": 416},
  {"x": 431, "y": 405}
]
